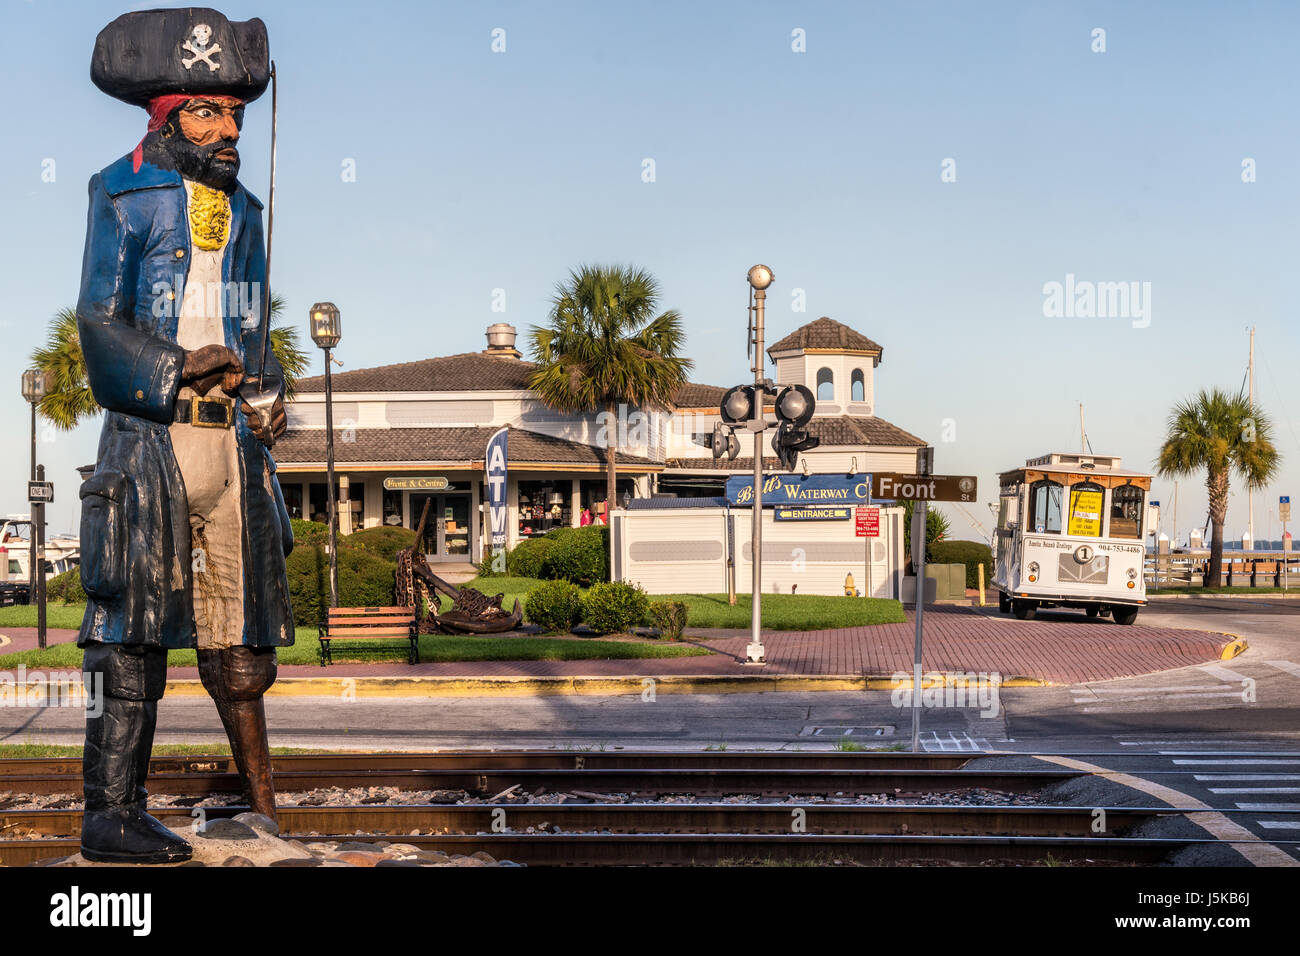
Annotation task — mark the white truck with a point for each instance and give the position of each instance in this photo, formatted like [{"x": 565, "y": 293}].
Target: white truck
[{"x": 1071, "y": 533}]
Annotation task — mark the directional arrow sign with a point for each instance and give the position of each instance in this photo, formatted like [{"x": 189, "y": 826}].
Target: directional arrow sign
[
  {"x": 923, "y": 487},
  {"x": 40, "y": 492}
]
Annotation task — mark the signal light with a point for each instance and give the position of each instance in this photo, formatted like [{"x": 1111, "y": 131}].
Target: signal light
[
  {"x": 737, "y": 405},
  {"x": 724, "y": 443},
  {"x": 794, "y": 408}
]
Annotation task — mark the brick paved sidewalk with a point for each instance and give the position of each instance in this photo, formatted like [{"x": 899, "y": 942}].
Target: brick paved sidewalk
[{"x": 956, "y": 639}]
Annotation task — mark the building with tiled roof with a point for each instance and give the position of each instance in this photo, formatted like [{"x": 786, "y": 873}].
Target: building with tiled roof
[{"x": 417, "y": 431}]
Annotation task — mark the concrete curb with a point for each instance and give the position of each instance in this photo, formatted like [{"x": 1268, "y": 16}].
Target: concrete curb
[
  {"x": 577, "y": 685},
  {"x": 1158, "y": 596}
]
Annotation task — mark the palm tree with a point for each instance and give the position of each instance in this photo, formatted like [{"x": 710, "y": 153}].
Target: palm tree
[
  {"x": 68, "y": 400},
  {"x": 608, "y": 345},
  {"x": 1220, "y": 433}
]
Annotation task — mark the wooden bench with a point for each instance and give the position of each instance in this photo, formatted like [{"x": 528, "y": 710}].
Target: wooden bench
[{"x": 367, "y": 624}]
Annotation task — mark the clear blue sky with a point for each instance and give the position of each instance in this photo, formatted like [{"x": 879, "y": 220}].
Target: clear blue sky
[{"x": 478, "y": 170}]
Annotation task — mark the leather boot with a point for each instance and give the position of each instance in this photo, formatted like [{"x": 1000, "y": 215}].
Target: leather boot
[
  {"x": 236, "y": 678},
  {"x": 119, "y": 737}
]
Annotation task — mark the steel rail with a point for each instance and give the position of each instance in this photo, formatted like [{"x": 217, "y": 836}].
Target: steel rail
[
  {"x": 397, "y": 821},
  {"x": 659, "y": 849},
  {"x": 492, "y": 780}
]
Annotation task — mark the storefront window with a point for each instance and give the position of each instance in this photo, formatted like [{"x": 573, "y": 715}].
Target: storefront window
[
  {"x": 592, "y": 493},
  {"x": 544, "y": 505},
  {"x": 320, "y": 502},
  {"x": 1085, "y": 510},
  {"x": 1045, "y": 507},
  {"x": 392, "y": 508},
  {"x": 1126, "y": 511},
  {"x": 292, "y": 499}
]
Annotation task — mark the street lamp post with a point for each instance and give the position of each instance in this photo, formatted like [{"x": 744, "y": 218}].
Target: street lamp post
[
  {"x": 760, "y": 277},
  {"x": 326, "y": 330},
  {"x": 35, "y": 387}
]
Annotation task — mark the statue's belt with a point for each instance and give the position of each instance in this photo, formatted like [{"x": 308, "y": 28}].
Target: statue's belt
[{"x": 204, "y": 412}]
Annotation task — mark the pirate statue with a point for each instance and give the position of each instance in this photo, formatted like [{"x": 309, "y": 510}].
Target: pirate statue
[{"x": 183, "y": 527}]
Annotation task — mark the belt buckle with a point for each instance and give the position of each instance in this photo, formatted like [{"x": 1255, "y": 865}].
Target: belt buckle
[{"x": 225, "y": 403}]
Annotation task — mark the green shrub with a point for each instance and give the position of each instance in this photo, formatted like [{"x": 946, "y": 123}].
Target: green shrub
[
  {"x": 580, "y": 555},
  {"x": 309, "y": 532},
  {"x": 970, "y": 553},
  {"x": 528, "y": 559},
  {"x": 365, "y": 580},
  {"x": 614, "y": 606},
  {"x": 554, "y": 606},
  {"x": 66, "y": 587},
  {"x": 383, "y": 541},
  {"x": 669, "y": 617}
]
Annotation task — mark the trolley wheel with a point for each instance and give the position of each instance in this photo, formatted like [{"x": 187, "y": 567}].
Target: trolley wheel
[
  {"x": 1024, "y": 609},
  {"x": 1126, "y": 615},
  {"x": 1004, "y": 603},
  {"x": 1092, "y": 610}
]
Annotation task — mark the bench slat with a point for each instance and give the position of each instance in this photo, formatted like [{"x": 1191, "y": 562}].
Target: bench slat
[
  {"x": 340, "y": 611},
  {"x": 369, "y": 632},
  {"x": 357, "y": 621}
]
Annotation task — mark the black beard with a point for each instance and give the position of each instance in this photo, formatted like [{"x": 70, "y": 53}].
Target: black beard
[{"x": 194, "y": 162}]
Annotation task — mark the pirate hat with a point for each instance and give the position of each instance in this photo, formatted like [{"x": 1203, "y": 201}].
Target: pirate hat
[{"x": 194, "y": 50}]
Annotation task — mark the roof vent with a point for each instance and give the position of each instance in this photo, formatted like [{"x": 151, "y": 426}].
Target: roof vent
[{"x": 501, "y": 340}]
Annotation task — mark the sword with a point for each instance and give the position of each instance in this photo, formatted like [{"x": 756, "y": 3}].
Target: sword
[{"x": 261, "y": 400}]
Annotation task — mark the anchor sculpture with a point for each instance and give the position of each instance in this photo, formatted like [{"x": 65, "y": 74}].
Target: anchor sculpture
[{"x": 472, "y": 611}]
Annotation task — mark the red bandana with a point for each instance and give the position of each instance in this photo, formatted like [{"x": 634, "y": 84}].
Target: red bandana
[{"x": 160, "y": 107}]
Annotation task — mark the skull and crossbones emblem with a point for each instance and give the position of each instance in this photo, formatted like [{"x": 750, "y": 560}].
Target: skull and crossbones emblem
[{"x": 198, "y": 45}]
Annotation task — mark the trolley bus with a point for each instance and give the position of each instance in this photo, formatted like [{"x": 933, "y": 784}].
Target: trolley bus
[{"x": 1071, "y": 533}]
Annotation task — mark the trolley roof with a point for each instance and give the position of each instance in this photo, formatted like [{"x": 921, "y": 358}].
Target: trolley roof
[{"x": 1072, "y": 468}]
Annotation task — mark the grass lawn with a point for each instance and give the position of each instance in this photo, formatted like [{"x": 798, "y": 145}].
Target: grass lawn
[
  {"x": 159, "y": 750},
  {"x": 433, "y": 647}
]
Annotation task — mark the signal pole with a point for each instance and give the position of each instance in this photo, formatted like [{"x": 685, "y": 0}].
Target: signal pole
[{"x": 760, "y": 277}]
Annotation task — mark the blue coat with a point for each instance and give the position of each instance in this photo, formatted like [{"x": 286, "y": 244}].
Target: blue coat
[{"x": 135, "y": 530}]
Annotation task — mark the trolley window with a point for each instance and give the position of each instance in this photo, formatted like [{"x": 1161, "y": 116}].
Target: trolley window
[
  {"x": 1126, "y": 503},
  {"x": 1045, "y": 507},
  {"x": 1085, "y": 510}
]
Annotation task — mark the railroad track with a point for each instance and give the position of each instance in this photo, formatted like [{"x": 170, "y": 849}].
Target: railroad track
[{"x": 620, "y": 827}]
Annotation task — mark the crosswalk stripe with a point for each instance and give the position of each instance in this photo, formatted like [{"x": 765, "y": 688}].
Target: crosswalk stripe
[
  {"x": 1268, "y": 807},
  {"x": 1144, "y": 690},
  {"x": 1279, "y": 824},
  {"x": 1244, "y": 777},
  {"x": 1223, "y": 673},
  {"x": 1254, "y": 789},
  {"x": 1292, "y": 669},
  {"x": 1236, "y": 762}
]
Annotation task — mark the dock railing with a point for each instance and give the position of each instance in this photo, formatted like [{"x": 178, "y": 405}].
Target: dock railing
[{"x": 1251, "y": 569}]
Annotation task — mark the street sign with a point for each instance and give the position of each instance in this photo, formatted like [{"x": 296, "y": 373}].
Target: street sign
[
  {"x": 40, "y": 492},
  {"x": 496, "y": 470},
  {"x": 866, "y": 522},
  {"x": 1284, "y": 507},
  {"x": 923, "y": 487}
]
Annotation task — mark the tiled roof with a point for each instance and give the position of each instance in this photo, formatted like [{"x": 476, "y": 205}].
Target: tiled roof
[
  {"x": 468, "y": 372},
  {"x": 723, "y": 464},
  {"x": 825, "y": 333},
  {"x": 860, "y": 430},
  {"x": 463, "y": 444}
]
